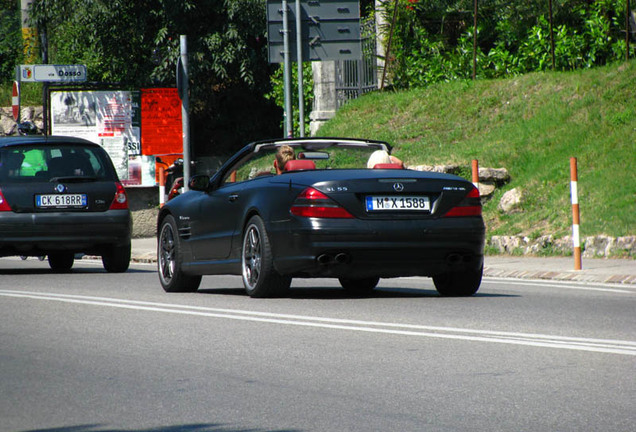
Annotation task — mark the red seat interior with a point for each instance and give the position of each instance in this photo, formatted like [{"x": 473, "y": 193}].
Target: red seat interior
[
  {"x": 387, "y": 166},
  {"x": 300, "y": 165}
]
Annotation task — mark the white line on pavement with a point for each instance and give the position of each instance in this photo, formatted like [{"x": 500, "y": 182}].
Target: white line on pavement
[
  {"x": 607, "y": 346},
  {"x": 590, "y": 286}
]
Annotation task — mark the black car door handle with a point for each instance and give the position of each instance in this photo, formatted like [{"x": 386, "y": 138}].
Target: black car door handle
[{"x": 233, "y": 197}]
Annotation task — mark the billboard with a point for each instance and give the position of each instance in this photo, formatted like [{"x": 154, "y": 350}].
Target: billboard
[
  {"x": 161, "y": 121},
  {"x": 115, "y": 118}
]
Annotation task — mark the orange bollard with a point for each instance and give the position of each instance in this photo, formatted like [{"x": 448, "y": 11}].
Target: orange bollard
[
  {"x": 576, "y": 239},
  {"x": 476, "y": 173}
]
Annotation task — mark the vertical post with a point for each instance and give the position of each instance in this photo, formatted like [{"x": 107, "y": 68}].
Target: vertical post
[
  {"x": 29, "y": 34},
  {"x": 627, "y": 12},
  {"x": 576, "y": 239},
  {"x": 551, "y": 36},
  {"x": 162, "y": 186},
  {"x": 475, "y": 41},
  {"x": 388, "y": 46},
  {"x": 15, "y": 101},
  {"x": 299, "y": 59},
  {"x": 44, "y": 40},
  {"x": 475, "y": 170},
  {"x": 185, "y": 106},
  {"x": 287, "y": 72},
  {"x": 380, "y": 24}
]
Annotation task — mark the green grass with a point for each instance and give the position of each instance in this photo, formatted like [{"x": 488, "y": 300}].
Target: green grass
[
  {"x": 531, "y": 125},
  {"x": 30, "y": 94}
]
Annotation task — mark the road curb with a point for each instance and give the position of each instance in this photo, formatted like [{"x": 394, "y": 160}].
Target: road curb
[{"x": 580, "y": 276}]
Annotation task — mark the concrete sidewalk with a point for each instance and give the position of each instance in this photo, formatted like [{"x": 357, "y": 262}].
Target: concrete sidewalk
[{"x": 599, "y": 270}]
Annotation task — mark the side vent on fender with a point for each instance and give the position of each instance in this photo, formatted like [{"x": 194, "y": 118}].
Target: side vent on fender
[{"x": 185, "y": 232}]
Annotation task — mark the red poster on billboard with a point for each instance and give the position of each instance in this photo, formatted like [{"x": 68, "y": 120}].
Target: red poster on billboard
[{"x": 161, "y": 131}]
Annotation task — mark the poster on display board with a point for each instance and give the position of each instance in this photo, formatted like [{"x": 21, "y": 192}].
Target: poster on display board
[
  {"x": 110, "y": 118},
  {"x": 162, "y": 130}
]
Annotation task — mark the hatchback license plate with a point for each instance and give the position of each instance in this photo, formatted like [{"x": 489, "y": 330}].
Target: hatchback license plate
[
  {"x": 398, "y": 203},
  {"x": 61, "y": 201}
]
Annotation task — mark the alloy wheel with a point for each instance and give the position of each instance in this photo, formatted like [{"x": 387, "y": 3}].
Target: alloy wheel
[
  {"x": 167, "y": 253},
  {"x": 252, "y": 256}
]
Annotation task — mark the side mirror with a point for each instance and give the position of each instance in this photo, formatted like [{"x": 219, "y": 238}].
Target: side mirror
[{"x": 199, "y": 183}]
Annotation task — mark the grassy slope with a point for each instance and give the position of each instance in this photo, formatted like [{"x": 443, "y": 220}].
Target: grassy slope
[{"x": 531, "y": 125}]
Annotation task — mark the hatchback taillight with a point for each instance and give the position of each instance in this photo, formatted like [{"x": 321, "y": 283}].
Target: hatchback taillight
[
  {"x": 4, "y": 205},
  {"x": 313, "y": 203},
  {"x": 121, "y": 199},
  {"x": 469, "y": 206}
]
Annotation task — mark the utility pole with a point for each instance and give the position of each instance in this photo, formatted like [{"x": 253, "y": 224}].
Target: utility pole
[
  {"x": 29, "y": 41},
  {"x": 299, "y": 58},
  {"x": 627, "y": 32},
  {"x": 551, "y": 36},
  {"x": 475, "y": 41},
  {"x": 287, "y": 72},
  {"x": 29, "y": 34},
  {"x": 185, "y": 105},
  {"x": 45, "y": 86}
]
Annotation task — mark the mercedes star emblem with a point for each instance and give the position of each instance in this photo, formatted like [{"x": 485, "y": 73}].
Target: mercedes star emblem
[{"x": 398, "y": 187}]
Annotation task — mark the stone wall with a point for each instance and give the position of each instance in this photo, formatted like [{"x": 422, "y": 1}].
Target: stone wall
[
  {"x": 8, "y": 125},
  {"x": 600, "y": 246},
  {"x": 144, "y": 206}
]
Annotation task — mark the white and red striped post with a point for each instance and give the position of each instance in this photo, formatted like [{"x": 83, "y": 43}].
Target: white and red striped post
[
  {"x": 15, "y": 101},
  {"x": 162, "y": 186},
  {"x": 574, "y": 190}
]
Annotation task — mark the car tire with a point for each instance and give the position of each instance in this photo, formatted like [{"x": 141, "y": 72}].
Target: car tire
[
  {"x": 458, "y": 284},
  {"x": 61, "y": 261},
  {"x": 169, "y": 259},
  {"x": 359, "y": 286},
  {"x": 257, "y": 265},
  {"x": 117, "y": 259}
]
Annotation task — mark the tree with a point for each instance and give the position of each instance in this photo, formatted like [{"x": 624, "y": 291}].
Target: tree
[
  {"x": 10, "y": 39},
  {"x": 433, "y": 39},
  {"x": 136, "y": 44}
]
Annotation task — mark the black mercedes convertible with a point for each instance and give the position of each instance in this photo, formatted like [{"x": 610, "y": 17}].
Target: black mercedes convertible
[{"x": 328, "y": 207}]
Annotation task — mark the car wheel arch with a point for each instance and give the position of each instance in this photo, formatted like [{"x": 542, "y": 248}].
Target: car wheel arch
[
  {"x": 249, "y": 215},
  {"x": 161, "y": 216}
]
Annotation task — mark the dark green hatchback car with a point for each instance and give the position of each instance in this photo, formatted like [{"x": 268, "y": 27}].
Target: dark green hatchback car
[{"x": 61, "y": 196}]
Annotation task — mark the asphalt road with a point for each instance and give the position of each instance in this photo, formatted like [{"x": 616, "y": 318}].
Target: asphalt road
[{"x": 91, "y": 351}]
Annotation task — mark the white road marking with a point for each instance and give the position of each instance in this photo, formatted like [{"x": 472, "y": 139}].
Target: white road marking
[
  {"x": 608, "y": 346},
  {"x": 601, "y": 287}
]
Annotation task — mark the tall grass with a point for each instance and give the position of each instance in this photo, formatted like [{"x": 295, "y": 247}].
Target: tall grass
[
  {"x": 30, "y": 94},
  {"x": 531, "y": 125}
]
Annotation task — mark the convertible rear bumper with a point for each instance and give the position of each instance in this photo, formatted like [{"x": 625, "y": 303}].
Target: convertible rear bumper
[{"x": 379, "y": 248}]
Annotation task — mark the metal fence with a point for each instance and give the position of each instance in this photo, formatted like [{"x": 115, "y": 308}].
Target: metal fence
[{"x": 356, "y": 77}]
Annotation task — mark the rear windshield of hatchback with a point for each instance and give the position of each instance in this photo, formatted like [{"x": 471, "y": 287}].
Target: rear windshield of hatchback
[{"x": 34, "y": 163}]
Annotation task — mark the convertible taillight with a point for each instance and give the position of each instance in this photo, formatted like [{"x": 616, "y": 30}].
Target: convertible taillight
[
  {"x": 313, "y": 203},
  {"x": 4, "y": 205},
  {"x": 121, "y": 199},
  {"x": 469, "y": 206}
]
